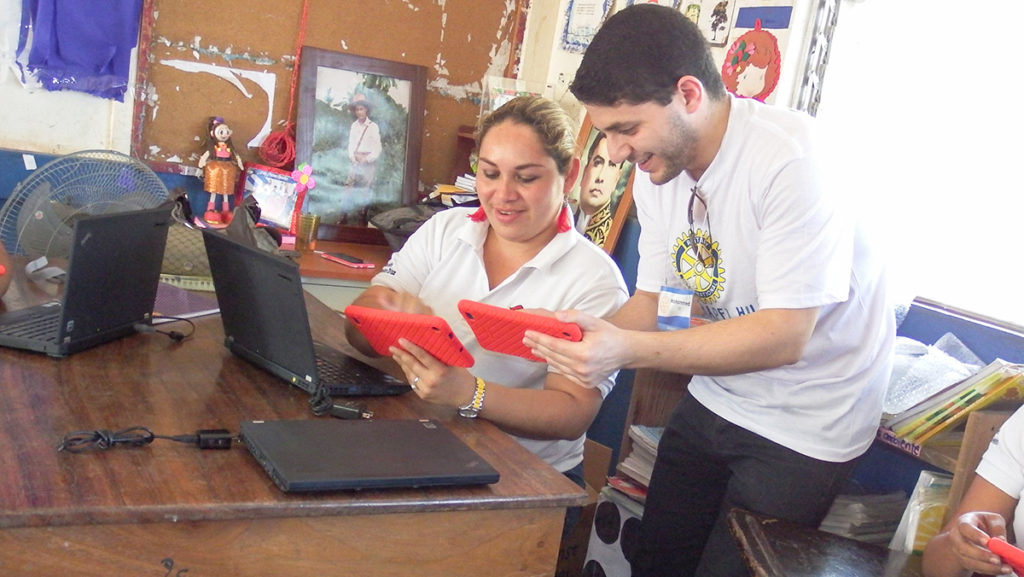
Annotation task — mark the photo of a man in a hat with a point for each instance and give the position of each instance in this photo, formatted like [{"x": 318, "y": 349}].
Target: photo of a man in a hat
[{"x": 364, "y": 146}]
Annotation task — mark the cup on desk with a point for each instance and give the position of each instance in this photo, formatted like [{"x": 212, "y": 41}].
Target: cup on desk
[{"x": 305, "y": 238}]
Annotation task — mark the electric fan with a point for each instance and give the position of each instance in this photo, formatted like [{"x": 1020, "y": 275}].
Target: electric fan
[{"x": 38, "y": 218}]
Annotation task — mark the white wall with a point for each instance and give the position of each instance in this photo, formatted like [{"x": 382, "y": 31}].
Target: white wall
[
  {"x": 46, "y": 122},
  {"x": 544, "y": 60}
]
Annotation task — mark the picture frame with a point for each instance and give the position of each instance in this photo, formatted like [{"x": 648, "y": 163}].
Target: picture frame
[
  {"x": 358, "y": 176},
  {"x": 601, "y": 211},
  {"x": 279, "y": 199}
]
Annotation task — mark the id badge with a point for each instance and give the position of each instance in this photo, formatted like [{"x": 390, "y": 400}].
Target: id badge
[{"x": 674, "y": 308}]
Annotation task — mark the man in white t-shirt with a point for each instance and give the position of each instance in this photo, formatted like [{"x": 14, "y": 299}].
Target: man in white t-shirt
[{"x": 790, "y": 369}]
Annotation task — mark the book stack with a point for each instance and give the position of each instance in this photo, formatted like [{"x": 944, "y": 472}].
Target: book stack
[
  {"x": 635, "y": 470},
  {"x": 935, "y": 417}
]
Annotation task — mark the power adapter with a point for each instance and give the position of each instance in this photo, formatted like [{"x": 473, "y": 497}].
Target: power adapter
[
  {"x": 349, "y": 410},
  {"x": 214, "y": 439}
]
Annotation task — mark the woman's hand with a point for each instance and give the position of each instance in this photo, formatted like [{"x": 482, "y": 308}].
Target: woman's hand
[
  {"x": 431, "y": 379},
  {"x": 968, "y": 538}
]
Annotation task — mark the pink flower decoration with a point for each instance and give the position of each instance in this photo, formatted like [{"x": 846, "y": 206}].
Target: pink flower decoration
[{"x": 303, "y": 176}]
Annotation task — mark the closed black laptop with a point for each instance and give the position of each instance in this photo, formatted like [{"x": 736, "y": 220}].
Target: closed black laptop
[
  {"x": 110, "y": 285},
  {"x": 265, "y": 322},
  {"x": 334, "y": 454}
]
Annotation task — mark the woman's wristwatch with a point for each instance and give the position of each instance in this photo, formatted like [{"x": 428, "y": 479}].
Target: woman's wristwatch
[{"x": 472, "y": 410}]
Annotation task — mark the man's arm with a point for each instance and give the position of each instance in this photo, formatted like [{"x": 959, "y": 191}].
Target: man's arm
[{"x": 762, "y": 340}]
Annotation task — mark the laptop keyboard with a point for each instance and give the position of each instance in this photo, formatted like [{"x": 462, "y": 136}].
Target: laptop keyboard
[
  {"x": 339, "y": 371},
  {"x": 36, "y": 323}
]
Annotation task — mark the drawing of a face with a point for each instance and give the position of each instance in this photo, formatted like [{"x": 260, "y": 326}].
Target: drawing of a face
[
  {"x": 752, "y": 64},
  {"x": 750, "y": 82}
]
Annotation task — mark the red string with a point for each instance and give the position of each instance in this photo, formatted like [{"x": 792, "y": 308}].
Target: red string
[{"x": 278, "y": 148}]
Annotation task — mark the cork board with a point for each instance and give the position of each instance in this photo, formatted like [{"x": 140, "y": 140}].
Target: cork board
[{"x": 235, "y": 59}]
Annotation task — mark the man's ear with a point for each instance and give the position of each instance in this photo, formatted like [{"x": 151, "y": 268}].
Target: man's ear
[
  {"x": 690, "y": 91},
  {"x": 571, "y": 175}
]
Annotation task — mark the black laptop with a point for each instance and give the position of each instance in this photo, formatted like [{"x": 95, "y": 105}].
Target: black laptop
[
  {"x": 265, "y": 322},
  {"x": 110, "y": 285},
  {"x": 334, "y": 454}
]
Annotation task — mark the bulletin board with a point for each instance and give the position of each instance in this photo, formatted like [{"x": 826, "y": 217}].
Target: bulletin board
[{"x": 235, "y": 59}]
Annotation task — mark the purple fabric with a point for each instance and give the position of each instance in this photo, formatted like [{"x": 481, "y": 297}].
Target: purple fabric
[{"x": 83, "y": 45}]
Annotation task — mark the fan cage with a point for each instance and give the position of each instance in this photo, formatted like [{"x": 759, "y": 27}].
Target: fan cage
[{"x": 38, "y": 218}]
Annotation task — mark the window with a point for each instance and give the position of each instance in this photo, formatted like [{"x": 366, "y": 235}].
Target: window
[{"x": 919, "y": 97}]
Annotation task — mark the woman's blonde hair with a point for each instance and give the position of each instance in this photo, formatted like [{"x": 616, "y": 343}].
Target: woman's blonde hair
[{"x": 547, "y": 119}]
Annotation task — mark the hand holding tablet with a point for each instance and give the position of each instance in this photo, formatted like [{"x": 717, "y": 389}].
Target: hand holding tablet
[
  {"x": 383, "y": 328},
  {"x": 1010, "y": 554},
  {"x": 501, "y": 330}
]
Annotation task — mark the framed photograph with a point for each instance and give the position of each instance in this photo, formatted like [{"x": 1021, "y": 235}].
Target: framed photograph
[
  {"x": 360, "y": 127},
  {"x": 603, "y": 196}
]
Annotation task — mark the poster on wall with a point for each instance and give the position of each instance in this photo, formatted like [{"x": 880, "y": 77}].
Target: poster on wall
[
  {"x": 753, "y": 62},
  {"x": 669, "y": 3},
  {"x": 713, "y": 17},
  {"x": 582, "y": 19}
]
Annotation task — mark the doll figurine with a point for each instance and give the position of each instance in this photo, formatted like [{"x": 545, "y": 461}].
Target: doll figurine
[{"x": 221, "y": 166}]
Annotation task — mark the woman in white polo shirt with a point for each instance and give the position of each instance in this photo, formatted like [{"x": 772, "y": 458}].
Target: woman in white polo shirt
[
  {"x": 519, "y": 249},
  {"x": 990, "y": 507}
]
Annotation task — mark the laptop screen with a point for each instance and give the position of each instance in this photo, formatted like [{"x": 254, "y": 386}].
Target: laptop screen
[{"x": 262, "y": 307}]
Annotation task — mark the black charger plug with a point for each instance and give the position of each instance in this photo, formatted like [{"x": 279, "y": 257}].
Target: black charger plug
[
  {"x": 214, "y": 439},
  {"x": 349, "y": 410}
]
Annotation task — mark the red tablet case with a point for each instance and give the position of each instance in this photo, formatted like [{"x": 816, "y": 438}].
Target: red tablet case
[
  {"x": 1010, "y": 554},
  {"x": 383, "y": 329},
  {"x": 501, "y": 330}
]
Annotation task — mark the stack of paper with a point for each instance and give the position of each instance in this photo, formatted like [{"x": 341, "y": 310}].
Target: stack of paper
[
  {"x": 868, "y": 518},
  {"x": 463, "y": 192},
  {"x": 640, "y": 461}
]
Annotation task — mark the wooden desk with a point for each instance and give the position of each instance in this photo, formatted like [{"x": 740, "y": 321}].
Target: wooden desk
[
  {"x": 335, "y": 284},
  {"x": 774, "y": 548},
  {"x": 167, "y": 507}
]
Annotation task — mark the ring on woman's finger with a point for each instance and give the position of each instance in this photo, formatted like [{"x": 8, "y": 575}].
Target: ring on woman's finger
[{"x": 413, "y": 383}]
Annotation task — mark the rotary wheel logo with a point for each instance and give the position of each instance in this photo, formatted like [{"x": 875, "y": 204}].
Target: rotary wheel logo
[{"x": 699, "y": 265}]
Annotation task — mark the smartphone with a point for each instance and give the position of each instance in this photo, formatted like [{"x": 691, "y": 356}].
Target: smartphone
[{"x": 346, "y": 259}]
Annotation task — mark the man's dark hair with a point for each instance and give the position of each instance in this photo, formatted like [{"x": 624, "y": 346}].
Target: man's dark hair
[{"x": 640, "y": 53}]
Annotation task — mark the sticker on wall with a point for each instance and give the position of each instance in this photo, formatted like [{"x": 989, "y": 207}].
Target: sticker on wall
[
  {"x": 582, "y": 19},
  {"x": 753, "y": 63}
]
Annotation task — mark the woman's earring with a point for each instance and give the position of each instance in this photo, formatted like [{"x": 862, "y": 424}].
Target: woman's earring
[{"x": 564, "y": 219}]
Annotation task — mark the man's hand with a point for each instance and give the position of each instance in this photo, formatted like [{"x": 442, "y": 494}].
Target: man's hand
[{"x": 603, "y": 350}]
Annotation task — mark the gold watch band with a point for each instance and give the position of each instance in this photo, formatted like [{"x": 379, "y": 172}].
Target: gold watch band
[{"x": 474, "y": 407}]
